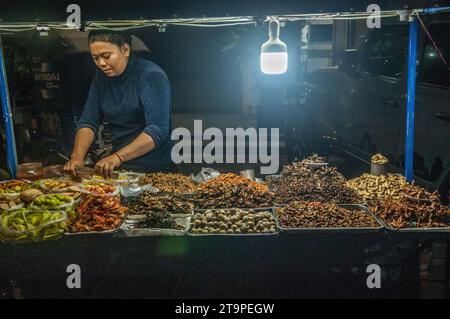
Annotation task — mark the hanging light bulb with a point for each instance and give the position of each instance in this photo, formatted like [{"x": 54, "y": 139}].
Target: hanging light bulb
[{"x": 274, "y": 57}]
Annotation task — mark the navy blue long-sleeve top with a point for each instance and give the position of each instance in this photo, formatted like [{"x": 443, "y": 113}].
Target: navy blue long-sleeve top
[{"x": 137, "y": 101}]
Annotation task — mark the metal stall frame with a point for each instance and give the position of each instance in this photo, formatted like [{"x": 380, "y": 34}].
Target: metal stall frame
[
  {"x": 223, "y": 22},
  {"x": 11, "y": 153}
]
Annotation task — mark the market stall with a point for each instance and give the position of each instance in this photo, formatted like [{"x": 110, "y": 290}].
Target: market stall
[{"x": 307, "y": 232}]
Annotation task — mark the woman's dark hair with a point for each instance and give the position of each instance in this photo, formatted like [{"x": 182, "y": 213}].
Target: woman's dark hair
[{"x": 113, "y": 37}]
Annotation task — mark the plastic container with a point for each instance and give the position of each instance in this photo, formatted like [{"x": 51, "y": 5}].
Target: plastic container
[
  {"x": 53, "y": 171},
  {"x": 85, "y": 184},
  {"x": 60, "y": 190},
  {"x": 127, "y": 230},
  {"x": 93, "y": 233},
  {"x": 7, "y": 189},
  {"x": 34, "y": 206},
  {"x": 9, "y": 196},
  {"x": 30, "y": 171},
  {"x": 118, "y": 177},
  {"x": 53, "y": 228},
  {"x": 129, "y": 177},
  {"x": 95, "y": 206}
]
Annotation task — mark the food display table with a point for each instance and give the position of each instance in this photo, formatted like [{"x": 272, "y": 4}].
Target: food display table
[{"x": 300, "y": 265}]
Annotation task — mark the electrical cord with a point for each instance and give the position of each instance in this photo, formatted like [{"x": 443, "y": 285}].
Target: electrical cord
[
  {"x": 123, "y": 25},
  {"x": 433, "y": 42}
]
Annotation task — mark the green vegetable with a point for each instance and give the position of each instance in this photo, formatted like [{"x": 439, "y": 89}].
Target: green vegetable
[
  {"x": 18, "y": 221},
  {"x": 5, "y": 218},
  {"x": 34, "y": 225}
]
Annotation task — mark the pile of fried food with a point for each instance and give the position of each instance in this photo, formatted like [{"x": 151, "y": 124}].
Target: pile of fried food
[
  {"x": 97, "y": 213},
  {"x": 379, "y": 159},
  {"x": 233, "y": 191},
  {"x": 169, "y": 182}
]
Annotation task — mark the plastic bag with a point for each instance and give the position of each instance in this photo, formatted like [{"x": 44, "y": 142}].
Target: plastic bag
[
  {"x": 133, "y": 189},
  {"x": 68, "y": 181},
  {"x": 121, "y": 178},
  {"x": 104, "y": 188},
  {"x": 11, "y": 189},
  {"x": 25, "y": 225},
  {"x": 48, "y": 202},
  {"x": 205, "y": 175}
]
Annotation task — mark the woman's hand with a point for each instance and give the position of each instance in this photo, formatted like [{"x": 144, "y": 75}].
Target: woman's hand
[
  {"x": 71, "y": 166},
  {"x": 106, "y": 165}
]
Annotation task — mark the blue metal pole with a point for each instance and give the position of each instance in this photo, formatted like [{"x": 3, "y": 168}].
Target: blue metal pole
[
  {"x": 436, "y": 10},
  {"x": 11, "y": 154},
  {"x": 411, "y": 98}
]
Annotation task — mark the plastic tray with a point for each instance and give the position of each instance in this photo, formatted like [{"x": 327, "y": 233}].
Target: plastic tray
[
  {"x": 9, "y": 196},
  {"x": 350, "y": 207},
  {"x": 95, "y": 233},
  {"x": 33, "y": 207},
  {"x": 8, "y": 234},
  {"x": 63, "y": 190},
  {"x": 238, "y": 234},
  {"x": 132, "y": 177},
  {"x": 91, "y": 233},
  {"x": 84, "y": 191},
  {"x": 141, "y": 232},
  {"x": 113, "y": 194}
]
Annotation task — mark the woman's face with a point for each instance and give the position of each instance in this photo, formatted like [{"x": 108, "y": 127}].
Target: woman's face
[{"x": 110, "y": 58}]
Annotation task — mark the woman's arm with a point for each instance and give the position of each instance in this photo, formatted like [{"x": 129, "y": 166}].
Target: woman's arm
[
  {"x": 83, "y": 140},
  {"x": 141, "y": 145}
]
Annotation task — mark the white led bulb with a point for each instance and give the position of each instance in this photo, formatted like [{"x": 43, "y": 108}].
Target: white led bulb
[{"x": 274, "y": 57}]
